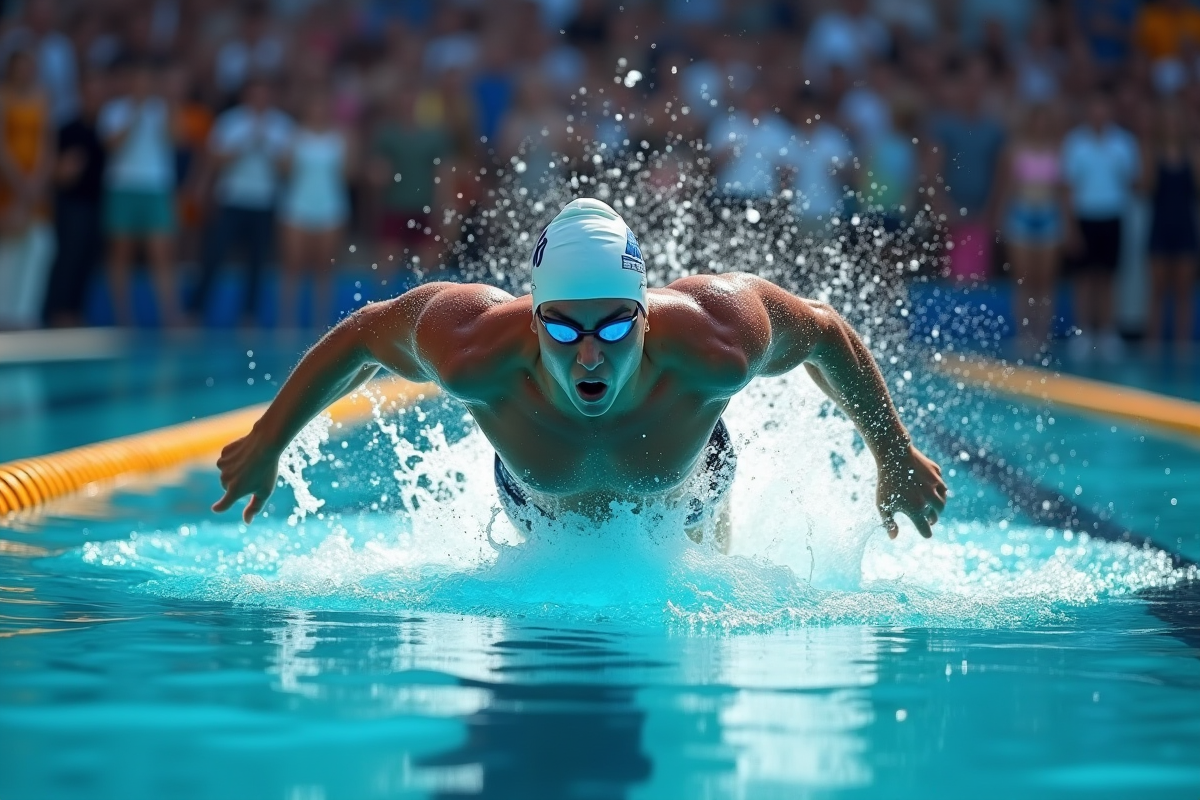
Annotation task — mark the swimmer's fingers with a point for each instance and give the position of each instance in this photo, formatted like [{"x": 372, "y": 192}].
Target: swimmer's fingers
[
  {"x": 889, "y": 522},
  {"x": 922, "y": 524},
  {"x": 887, "y": 512},
  {"x": 257, "y": 501},
  {"x": 937, "y": 500},
  {"x": 227, "y": 500}
]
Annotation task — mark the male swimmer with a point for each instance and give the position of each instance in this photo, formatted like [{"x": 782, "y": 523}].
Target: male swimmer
[{"x": 595, "y": 390}]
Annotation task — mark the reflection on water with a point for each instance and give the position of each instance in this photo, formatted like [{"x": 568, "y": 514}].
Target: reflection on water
[
  {"x": 552, "y": 711},
  {"x": 186, "y": 699}
]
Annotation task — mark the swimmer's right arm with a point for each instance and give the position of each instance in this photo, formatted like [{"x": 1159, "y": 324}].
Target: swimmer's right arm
[{"x": 396, "y": 334}]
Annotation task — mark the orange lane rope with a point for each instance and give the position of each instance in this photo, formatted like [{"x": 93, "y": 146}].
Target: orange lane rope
[
  {"x": 1080, "y": 393},
  {"x": 31, "y": 481}
]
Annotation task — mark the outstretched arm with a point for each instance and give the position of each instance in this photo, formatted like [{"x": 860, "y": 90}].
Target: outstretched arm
[
  {"x": 813, "y": 334},
  {"x": 383, "y": 333}
]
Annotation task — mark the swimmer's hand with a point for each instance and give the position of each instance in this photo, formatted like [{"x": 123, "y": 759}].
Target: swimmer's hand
[
  {"x": 910, "y": 483},
  {"x": 248, "y": 467}
]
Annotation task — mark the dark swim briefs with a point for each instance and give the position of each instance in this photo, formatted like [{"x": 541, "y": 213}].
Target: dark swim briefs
[{"x": 720, "y": 463}]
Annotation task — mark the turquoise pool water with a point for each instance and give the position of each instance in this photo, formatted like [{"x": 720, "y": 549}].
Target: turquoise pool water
[{"x": 397, "y": 641}]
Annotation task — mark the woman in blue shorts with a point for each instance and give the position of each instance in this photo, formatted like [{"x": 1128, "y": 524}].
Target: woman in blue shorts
[
  {"x": 1171, "y": 165},
  {"x": 1031, "y": 194}
]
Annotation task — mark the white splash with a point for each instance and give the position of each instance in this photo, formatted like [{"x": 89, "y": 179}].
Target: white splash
[{"x": 807, "y": 546}]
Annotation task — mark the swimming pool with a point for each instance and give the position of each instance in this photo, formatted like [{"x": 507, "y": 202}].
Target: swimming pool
[{"x": 395, "y": 642}]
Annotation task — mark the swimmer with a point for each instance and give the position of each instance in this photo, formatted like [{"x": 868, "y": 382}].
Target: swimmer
[{"x": 594, "y": 389}]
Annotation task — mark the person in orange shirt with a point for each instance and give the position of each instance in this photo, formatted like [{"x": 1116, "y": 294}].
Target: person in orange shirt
[
  {"x": 1162, "y": 29},
  {"x": 192, "y": 124},
  {"x": 26, "y": 158}
]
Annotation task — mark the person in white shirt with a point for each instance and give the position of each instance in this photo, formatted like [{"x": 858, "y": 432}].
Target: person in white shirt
[
  {"x": 847, "y": 35},
  {"x": 245, "y": 147},
  {"x": 1101, "y": 167},
  {"x": 313, "y": 209},
  {"x": 750, "y": 148},
  {"x": 257, "y": 52},
  {"x": 817, "y": 160},
  {"x": 139, "y": 204}
]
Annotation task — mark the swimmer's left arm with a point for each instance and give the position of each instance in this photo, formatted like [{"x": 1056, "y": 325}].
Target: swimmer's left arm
[{"x": 815, "y": 335}]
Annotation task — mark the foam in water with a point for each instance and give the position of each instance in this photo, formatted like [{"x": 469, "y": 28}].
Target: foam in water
[{"x": 807, "y": 549}]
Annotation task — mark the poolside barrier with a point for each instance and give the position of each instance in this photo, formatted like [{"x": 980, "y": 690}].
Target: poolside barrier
[
  {"x": 28, "y": 482},
  {"x": 1084, "y": 394}
]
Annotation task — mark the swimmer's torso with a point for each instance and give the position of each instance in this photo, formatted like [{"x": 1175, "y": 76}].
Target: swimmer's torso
[
  {"x": 586, "y": 465},
  {"x": 649, "y": 444}
]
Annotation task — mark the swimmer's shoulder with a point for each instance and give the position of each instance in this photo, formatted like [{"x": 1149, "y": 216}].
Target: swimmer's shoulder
[
  {"x": 476, "y": 337},
  {"x": 465, "y": 337},
  {"x": 710, "y": 329}
]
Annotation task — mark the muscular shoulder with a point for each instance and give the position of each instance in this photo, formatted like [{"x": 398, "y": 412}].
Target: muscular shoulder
[
  {"x": 465, "y": 336},
  {"x": 738, "y": 326},
  {"x": 711, "y": 328}
]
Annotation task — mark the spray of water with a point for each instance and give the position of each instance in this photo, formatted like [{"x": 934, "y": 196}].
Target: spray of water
[{"x": 421, "y": 528}]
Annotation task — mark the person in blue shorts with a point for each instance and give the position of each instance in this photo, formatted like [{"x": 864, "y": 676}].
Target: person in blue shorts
[{"x": 139, "y": 204}]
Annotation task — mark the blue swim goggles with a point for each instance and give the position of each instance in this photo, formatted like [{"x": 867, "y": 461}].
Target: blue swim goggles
[{"x": 610, "y": 332}]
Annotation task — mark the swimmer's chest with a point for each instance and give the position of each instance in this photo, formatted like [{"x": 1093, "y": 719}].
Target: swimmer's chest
[{"x": 652, "y": 450}]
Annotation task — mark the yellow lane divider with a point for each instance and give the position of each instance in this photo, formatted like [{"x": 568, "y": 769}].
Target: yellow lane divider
[
  {"x": 31, "y": 481},
  {"x": 1081, "y": 393}
]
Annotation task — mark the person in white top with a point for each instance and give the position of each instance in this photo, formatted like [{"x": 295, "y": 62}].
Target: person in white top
[
  {"x": 313, "y": 209},
  {"x": 139, "y": 190},
  {"x": 818, "y": 160},
  {"x": 245, "y": 147},
  {"x": 256, "y": 50},
  {"x": 1101, "y": 166},
  {"x": 750, "y": 147}
]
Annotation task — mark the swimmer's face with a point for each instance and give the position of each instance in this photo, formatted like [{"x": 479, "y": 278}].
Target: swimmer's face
[{"x": 591, "y": 372}]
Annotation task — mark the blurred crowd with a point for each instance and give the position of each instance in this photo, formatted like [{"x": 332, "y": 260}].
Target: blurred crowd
[{"x": 1050, "y": 140}]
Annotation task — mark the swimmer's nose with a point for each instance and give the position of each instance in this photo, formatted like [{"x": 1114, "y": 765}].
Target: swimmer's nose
[{"x": 589, "y": 356}]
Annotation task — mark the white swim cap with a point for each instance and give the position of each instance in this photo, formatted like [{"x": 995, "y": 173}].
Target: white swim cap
[{"x": 585, "y": 253}]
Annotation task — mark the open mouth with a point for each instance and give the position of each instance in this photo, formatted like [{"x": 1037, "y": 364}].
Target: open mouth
[{"x": 591, "y": 391}]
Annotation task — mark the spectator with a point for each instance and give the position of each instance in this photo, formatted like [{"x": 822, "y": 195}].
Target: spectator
[
  {"x": 847, "y": 36},
  {"x": 713, "y": 80},
  {"x": 1163, "y": 28},
  {"x": 864, "y": 107},
  {"x": 535, "y": 135},
  {"x": 1105, "y": 26},
  {"x": 78, "y": 204},
  {"x": 256, "y": 52},
  {"x": 451, "y": 44},
  {"x": 313, "y": 209},
  {"x": 750, "y": 147},
  {"x": 193, "y": 125},
  {"x": 1171, "y": 169},
  {"x": 53, "y": 53},
  {"x": 140, "y": 181},
  {"x": 404, "y": 167},
  {"x": 818, "y": 158},
  {"x": 1012, "y": 17},
  {"x": 26, "y": 158},
  {"x": 1030, "y": 200},
  {"x": 892, "y": 168},
  {"x": 968, "y": 143},
  {"x": 1038, "y": 65},
  {"x": 493, "y": 87},
  {"x": 245, "y": 146},
  {"x": 1101, "y": 166}
]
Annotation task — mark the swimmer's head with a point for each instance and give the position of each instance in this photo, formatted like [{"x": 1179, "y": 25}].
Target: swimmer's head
[{"x": 589, "y": 275}]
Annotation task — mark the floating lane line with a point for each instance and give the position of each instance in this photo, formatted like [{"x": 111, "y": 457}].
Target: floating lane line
[
  {"x": 29, "y": 482},
  {"x": 1084, "y": 394}
]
